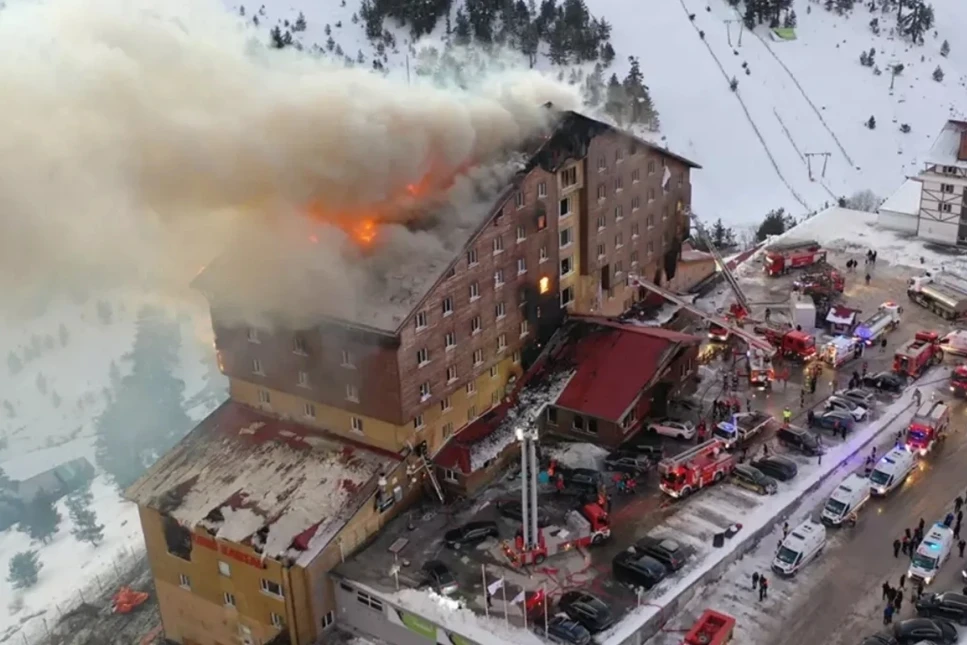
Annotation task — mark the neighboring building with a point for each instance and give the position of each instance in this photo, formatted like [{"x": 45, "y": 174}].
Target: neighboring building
[
  {"x": 57, "y": 481},
  {"x": 694, "y": 267},
  {"x": 31, "y": 476},
  {"x": 623, "y": 374},
  {"x": 943, "y": 218},
  {"x": 901, "y": 211}
]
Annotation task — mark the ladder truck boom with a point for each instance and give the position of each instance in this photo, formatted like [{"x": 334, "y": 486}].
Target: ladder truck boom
[
  {"x": 723, "y": 267},
  {"x": 752, "y": 339}
]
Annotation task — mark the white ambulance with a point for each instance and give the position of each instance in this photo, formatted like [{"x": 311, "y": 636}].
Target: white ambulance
[
  {"x": 848, "y": 498},
  {"x": 892, "y": 470},
  {"x": 801, "y": 546},
  {"x": 931, "y": 554}
]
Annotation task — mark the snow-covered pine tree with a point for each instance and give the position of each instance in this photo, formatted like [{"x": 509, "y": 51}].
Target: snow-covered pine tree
[
  {"x": 945, "y": 49},
  {"x": 938, "y": 74},
  {"x": 871, "y": 124},
  {"x": 24, "y": 570},
  {"x": 86, "y": 528},
  {"x": 616, "y": 101},
  {"x": 40, "y": 518}
]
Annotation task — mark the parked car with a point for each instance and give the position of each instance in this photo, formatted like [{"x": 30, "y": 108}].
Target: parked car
[
  {"x": 800, "y": 439},
  {"x": 754, "y": 479},
  {"x": 885, "y": 382},
  {"x": 949, "y": 605},
  {"x": 677, "y": 429},
  {"x": 914, "y": 630},
  {"x": 859, "y": 396},
  {"x": 437, "y": 576},
  {"x": 632, "y": 568},
  {"x": 834, "y": 420},
  {"x": 778, "y": 467},
  {"x": 585, "y": 479},
  {"x": 667, "y": 551},
  {"x": 470, "y": 534},
  {"x": 644, "y": 444},
  {"x": 623, "y": 461},
  {"x": 563, "y": 630},
  {"x": 587, "y": 609},
  {"x": 684, "y": 408},
  {"x": 511, "y": 509},
  {"x": 879, "y": 639},
  {"x": 839, "y": 403}
]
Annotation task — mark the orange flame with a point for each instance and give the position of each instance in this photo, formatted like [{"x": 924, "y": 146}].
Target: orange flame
[{"x": 365, "y": 231}]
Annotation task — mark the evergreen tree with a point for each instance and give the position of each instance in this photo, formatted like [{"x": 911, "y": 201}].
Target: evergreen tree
[
  {"x": 945, "y": 49},
  {"x": 559, "y": 50},
  {"x": 24, "y": 570},
  {"x": 749, "y": 17},
  {"x": 938, "y": 74},
  {"x": 482, "y": 14},
  {"x": 607, "y": 54},
  {"x": 722, "y": 236},
  {"x": 594, "y": 86},
  {"x": 790, "y": 20},
  {"x": 86, "y": 528},
  {"x": 41, "y": 518},
  {"x": 775, "y": 223},
  {"x": 918, "y": 21},
  {"x": 875, "y": 26},
  {"x": 300, "y": 23},
  {"x": 461, "y": 30},
  {"x": 641, "y": 109},
  {"x": 871, "y": 124},
  {"x": 373, "y": 19},
  {"x": 616, "y": 100},
  {"x": 275, "y": 38}
]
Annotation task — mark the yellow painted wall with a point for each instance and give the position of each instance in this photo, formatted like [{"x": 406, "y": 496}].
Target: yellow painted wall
[
  {"x": 199, "y": 614},
  {"x": 573, "y": 221}
]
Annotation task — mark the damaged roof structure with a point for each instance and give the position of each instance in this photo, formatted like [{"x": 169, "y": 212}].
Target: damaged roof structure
[{"x": 281, "y": 488}]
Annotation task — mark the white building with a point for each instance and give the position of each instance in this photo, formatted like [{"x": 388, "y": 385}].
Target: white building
[
  {"x": 942, "y": 217},
  {"x": 901, "y": 211}
]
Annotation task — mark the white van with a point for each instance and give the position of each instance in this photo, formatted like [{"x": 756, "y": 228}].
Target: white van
[
  {"x": 804, "y": 543},
  {"x": 931, "y": 554},
  {"x": 891, "y": 471},
  {"x": 849, "y": 497}
]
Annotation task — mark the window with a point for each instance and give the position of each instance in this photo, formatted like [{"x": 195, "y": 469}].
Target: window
[
  {"x": 523, "y": 328},
  {"x": 299, "y": 345},
  {"x": 471, "y": 413},
  {"x": 681, "y": 180},
  {"x": 494, "y": 398},
  {"x": 542, "y": 189},
  {"x": 446, "y": 403},
  {"x": 420, "y": 320},
  {"x": 253, "y": 335},
  {"x": 471, "y": 387},
  {"x": 567, "y": 296},
  {"x": 635, "y": 175},
  {"x": 619, "y": 241},
  {"x": 264, "y": 397},
  {"x": 498, "y": 217},
  {"x": 651, "y": 195},
  {"x": 618, "y": 213},
  {"x": 619, "y": 184},
  {"x": 521, "y": 234},
  {"x": 475, "y": 325},
  {"x": 541, "y": 222},
  {"x": 499, "y": 311},
  {"x": 184, "y": 581},
  {"x": 650, "y": 220},
  {"x": 567, "y": 265},
  {"x": 474, "y": 291},
  {"x": 303, "y": 379},
  {"x": 634, "y": 230},
  {"x": 544, "y": 285},
  {"x": 224, "y": 569},
  {"x": 592, "y": 426},
  {"x": 522, "y": 296},
  {"x": 619, "y": 155},
  {"x": 651, "y": 247},
  {"x": 566, "y": 237},
  {"x": 328, "y": 620},
  {"x": 452, "y": 271},
  {"x": 472, "y": 257},
  {"x": 516, "y": 357},
  {"x": 946, "y": 188},
  {"x": 450, "y": 340},
  {"x": 552, "y": 416},
  {"x": 543, "y": 252},
  {"x": 601, "y": 250},
  {"x": 494, "y": 372},
  {"x": 373, "y": 603},
  {"x": 945, "y": 208},
  {"x": 651, "y": 167},
  {"x": 418, "y": 421},
  {"x": 422, "y": 356},
  {"x": 356, "y": 424},
  {"x": 499, "y": 278},
  {"x": 348, "y": 360},
  {"x": 569, "y": 176},
  {"x": 950, "y": 170},
  {"x": 634, "y": 258},
  {"x": 228, "y": 599},
  {"x": 501, "y": 342},
  {"x": 602, "y": 222},
  {"x": 519, "y": 199},
  {"x": 478, "y": 357},
  {"x": 564, "y": 208},
  {"x": 257, "y": 367},
  {"x": 577, "y": 423},
  {"x": 618, "y": 268},
  {"x": 271, "y": 588},
  {"x": 424, "y": 391},
  {"x": 635, "y": 203},
  {"x": 446, "y": 305},
  {"x": 602, "y": 191},
  {"x": 450, "y": 476},
  {"x": 498, "y": 244},
  {"x": 602, "y": 164},
  {"x": 448, "y": 429},
  {"x": 277, "y": 621},
  {"x": 352, "y": 393},
  {"x": 664, "y": 239},
  {"x": 521, "y": 266},
  {"x": 309, "y": 410}
]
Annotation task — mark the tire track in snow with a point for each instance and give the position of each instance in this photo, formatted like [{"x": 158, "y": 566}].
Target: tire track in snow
[{"x": 748, "y": 116}]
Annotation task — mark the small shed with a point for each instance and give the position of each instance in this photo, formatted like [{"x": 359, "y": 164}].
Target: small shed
[
  {"x": 841, "y": 320},
  {"x": 901, "y": 211}
]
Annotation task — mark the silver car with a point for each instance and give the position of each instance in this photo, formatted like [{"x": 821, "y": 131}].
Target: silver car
[
  {"x": 858, "y": 396},
  {"x": 847, "y": 405}
]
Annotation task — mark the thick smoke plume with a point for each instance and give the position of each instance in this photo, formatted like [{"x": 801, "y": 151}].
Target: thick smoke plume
[{"x": 142, "y": 138}]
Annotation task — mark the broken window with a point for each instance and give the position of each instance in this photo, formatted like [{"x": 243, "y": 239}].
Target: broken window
[{"x": 177, "y": 538}]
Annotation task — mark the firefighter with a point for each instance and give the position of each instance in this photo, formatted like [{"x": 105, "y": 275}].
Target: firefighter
[
  {"x": 917, "y": 396},
  {"x": 700, "y": 432},
  {"x": 786, "y": 416}
]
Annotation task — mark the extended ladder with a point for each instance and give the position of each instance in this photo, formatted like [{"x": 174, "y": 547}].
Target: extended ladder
[
  {"x": 723, "y": 267},
  {"x": 426, "y": 466}
]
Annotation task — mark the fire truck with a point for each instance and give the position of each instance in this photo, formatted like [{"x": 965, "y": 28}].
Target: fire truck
[
  {"x": 913, "y": 357},
  {"x": 582, "y": 528},
  {"x": 825, "y": 280},
  {"x": 791, "y": 343},
  {"x": 943, "y": 293},
  {"x": 761, "y": 371},
  {"x": 930, "y": 421},
  {"x": 886, "y": 319},
  {"x": 958, "y": 381},
  {"x": 695, "y": 469},
  {"x": 741, "y": 428},
  {"x": 783, "y": 256}
]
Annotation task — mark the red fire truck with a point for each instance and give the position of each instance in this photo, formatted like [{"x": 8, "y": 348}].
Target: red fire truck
[
  {"x": 589, "y": 525},
  {"x": 761, "y": 371},
  {"x": 695, "y": 469},
  {"x": 783, "y": 256},
  {"x": 824, "y": 280},
  {"x": 712, "y": 628},
  {"x": 927, "y": 424},
  {"x": 797, "y": 345},
  {"x": 958, "y": 381},
  {"x": 913, "y": 357}
]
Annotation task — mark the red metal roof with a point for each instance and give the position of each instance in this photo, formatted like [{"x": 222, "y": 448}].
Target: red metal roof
[{"x": 615, "y": 362}]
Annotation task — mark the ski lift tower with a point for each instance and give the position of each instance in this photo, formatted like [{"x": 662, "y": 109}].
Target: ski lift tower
[{"x": 529, "y": 469}]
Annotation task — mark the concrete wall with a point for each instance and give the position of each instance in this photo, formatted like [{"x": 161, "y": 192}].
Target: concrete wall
[
  {"x": 939, "y": 232},
  {"x": 894, "y": 221}
]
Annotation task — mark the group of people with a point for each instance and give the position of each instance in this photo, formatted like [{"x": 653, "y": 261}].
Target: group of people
[
  {"x": 761, "y": 584},
  {"x": 894, "y": 597},
  {"x": 724, "y": 408}
]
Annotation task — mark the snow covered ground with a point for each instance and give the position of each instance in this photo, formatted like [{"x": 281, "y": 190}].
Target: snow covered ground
[{"x": 45, "y": 431}]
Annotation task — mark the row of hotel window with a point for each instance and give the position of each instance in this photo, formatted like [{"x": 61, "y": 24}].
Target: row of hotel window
[{"x": 267, "y": 587}]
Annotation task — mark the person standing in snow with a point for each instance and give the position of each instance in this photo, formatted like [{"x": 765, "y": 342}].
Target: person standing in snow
[
  {"x": 868, "y": 278},
  {"x": 785, "y": 530},
  {"x": 897, "y": 545},
  {"x": 917, "y": 396},
  {"x": 903, "y": 580},
  {"x": 755, "y": 580},
  {"x": 960, "y": 546},
  {"x": 886, "y": 591},
  {"x": 883, "y": 346},
  {"x": 898, "y": 601},
  {"x": 958, "y": 503},
  {"x": 905, "y": 543},
  {"x": 763, "y": 588}
]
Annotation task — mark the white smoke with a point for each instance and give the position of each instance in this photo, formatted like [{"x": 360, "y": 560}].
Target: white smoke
[{"x": 141, "y": 138}]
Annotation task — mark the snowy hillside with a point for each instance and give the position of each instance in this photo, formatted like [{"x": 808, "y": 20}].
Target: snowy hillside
[{"x": 810, "y": 95}]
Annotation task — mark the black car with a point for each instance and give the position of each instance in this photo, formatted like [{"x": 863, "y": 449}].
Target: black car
[
  {"x": 621, "y": 461},
  {"x": 800, "y": 440},
  {"x": 561, "y": 629},
  {"x": 879, "y": 639},
  {"x": 753, "y": 479},
  {"x": 470, "y": 534},
  {"x": 949, "y": 605},
  {"x": 914, "y": 630},
  {"x": 834, "y": 420},
  {"x": 586, "y": 609},
  {"x": 437, "y": 576},
  {"x": 632, "y": 568},
  {"x": 669, "y": 552},
  {"x": 582, "y": 478},
  {"x": 512, "y": 509},
  {"x": 884, "y": 381},
  {"x": 778, "y": 467}
]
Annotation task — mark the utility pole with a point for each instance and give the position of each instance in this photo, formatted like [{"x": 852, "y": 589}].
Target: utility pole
[
  {"x": 728, "y": 30},
  {"x": 809, "y": 165},
  {"x": 407, "y": 69}
]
